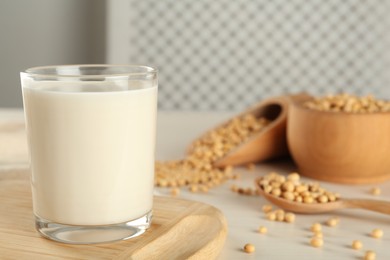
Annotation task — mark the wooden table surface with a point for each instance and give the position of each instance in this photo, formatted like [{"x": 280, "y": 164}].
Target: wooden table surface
[{"x": 175, "y": 130}]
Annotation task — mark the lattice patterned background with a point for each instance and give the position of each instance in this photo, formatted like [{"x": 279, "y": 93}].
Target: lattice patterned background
[{"x": 226, "y": 55}]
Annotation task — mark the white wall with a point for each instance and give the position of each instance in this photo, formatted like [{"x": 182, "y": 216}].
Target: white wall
[{"x": 47, "y": 32}]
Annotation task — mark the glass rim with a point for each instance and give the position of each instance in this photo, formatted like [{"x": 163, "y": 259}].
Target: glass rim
[{"x": 38, "y": 71}]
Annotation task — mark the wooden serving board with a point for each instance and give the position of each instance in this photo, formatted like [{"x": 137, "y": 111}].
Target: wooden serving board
[{"x": 181, "y": 229}]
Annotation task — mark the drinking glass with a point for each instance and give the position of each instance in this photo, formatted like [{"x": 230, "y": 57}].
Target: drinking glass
[{"x": 91, "y": 132}]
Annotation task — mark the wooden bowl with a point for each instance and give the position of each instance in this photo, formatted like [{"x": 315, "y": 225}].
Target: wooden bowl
[{"x": 339, "y": 147}]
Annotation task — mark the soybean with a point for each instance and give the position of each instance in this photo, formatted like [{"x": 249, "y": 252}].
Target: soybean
[{"x": 249, "y": 248}]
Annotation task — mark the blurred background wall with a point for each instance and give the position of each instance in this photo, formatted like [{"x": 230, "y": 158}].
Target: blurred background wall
[
  {"x": 47, "y": 32},
  {"x": 211, "y": 54},
  {"x": 227, "y": 55}
]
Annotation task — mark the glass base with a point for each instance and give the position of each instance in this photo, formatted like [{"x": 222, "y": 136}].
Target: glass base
[{"x": 72, "y": 234}]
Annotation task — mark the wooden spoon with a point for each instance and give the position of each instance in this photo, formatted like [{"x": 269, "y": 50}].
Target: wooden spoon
[
  {"x": 269, "y": 143},
  {"x": 299, "y": 207}
]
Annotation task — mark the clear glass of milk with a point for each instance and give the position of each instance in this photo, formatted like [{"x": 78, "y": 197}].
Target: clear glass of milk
[{"x": 91, "y": 132}]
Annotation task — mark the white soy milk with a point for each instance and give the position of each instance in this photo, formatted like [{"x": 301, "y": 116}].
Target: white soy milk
[{"x": 92, "y": 151}]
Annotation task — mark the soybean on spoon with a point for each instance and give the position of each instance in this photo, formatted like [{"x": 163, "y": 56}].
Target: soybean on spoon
[{"x": 316, "y": 208}]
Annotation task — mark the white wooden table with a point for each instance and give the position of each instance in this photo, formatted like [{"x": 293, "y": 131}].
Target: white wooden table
[{"x": 243, "y": 213}]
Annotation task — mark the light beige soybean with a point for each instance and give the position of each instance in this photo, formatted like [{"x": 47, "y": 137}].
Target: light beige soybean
[
  {"x": 175, "y": 191},
  {"x": 289, "y": 217},
  {"x": 316, "y": 242},
  {"x": 308, "y": 199},
  {"x": 280, "y": 216},
  {"x": 322, "y": 199},
  {"x": 357, "y": 244},
  {"x": 271, "y": 216},
  {"x": 298, "y": 199},
  {"x": 288, "y": 186},
  {"x": 262, "y": 230},
  {"x": 376, "y": 191},
  {"x": 276, "y": 192},
  {"x": 288, "y": 195},
  {"x": 332, "y": 222},
  {"x": 316, "y": 227},
  {"x": 193, "y": 188},
  {"x": 294, "y": 177},
  {"x": 377, "y": 233},
  {"x": 249, "y": 248},
  {"x": 369, "y": 255},
  {"x": 267, "y": 189},
  {"x": 266, "y": 208}
]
